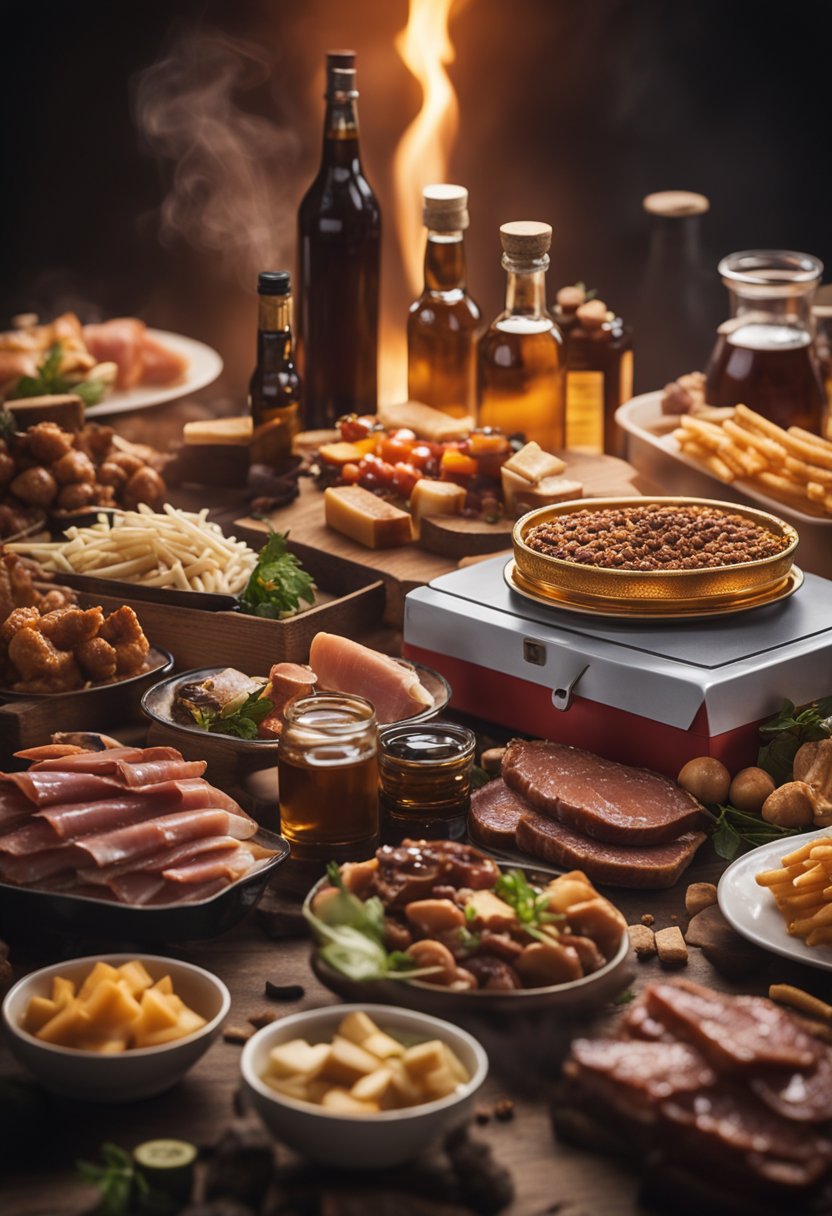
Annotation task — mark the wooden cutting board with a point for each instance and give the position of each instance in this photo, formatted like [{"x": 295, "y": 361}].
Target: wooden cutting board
[{"x": 410, "y": 566}]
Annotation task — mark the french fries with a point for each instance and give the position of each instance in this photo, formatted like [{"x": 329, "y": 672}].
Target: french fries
[
  {"x": 178, "y": 549},
  {"x": 793, "y": 466},
  {"x": 802, "y": 889}
]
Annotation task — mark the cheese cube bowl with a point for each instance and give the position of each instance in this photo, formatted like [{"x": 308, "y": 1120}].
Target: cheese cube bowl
[
  {"x": 139, "y": 1072},
  {"x": 360, "y": 1142}
]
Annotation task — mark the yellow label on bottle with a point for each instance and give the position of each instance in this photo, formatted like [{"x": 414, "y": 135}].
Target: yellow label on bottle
[{"x": 585, "y": 411}]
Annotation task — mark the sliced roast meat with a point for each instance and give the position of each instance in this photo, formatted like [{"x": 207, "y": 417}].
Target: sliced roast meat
[
  {"x": 634, "y": 1076},
  {"x": 803, "y": 1096},
  {"x": 495, "y": 814},
  {"x": 736, "y": 1034},
  {"x": 645, "y": 868},
  {"x": 600, "y": 798}
]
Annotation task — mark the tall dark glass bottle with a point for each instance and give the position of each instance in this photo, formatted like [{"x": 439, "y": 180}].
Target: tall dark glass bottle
[
  {"x": 339, "y": 242},
  {"x": 274, "y": 393}
]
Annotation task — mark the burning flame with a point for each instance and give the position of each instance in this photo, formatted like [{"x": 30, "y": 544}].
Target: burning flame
[{"x": 425, "y": 148}]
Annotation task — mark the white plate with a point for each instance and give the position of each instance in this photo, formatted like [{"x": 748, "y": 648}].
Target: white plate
[
  {"x": 204, "y": 366},
  {"x": 751, "y": 909}
]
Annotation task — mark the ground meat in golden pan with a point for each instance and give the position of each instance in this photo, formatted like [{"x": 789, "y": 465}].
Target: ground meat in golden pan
[{"x": 655, "y": 537}]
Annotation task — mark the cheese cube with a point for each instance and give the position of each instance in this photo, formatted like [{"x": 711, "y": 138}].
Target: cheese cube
[
  {"x": 219, "y": 431},
  {"x": 408, "y": 1091},
  {"x": 440, "y": 1082},
  {"x": 340, "y": 453},
  {"x": 343, "y": 1103},
  {"x": 357, "y": 1027},
  {"x": 548, "y": 492},
  {"x": 374, "y": 1087},
  {"x": 533, "y": 463},
  {"x": 297, "y": 1057},
  {"x": 427, "y": 422},
  {"x": 435, "y": 498},
  {"x": 366, "y": 518},
  {"x": 38, "y": 1012},
  {"x": 424, "y": 1058},
  {"x": 347, "y": 1062},
  {"x": 383, "y": 1045}
]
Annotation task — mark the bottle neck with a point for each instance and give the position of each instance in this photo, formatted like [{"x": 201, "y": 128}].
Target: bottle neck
[
  {"x": 274, "y": 314},
  {"x": 444, "y": 262},
  {"x": 675, "y": 238},
  {"x": 341, "y": 147},
  {"x": 526, "y": 292}
]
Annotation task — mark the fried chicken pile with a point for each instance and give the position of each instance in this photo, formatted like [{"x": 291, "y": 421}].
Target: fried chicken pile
[
  {"x": 55, "y": 469},
  {"x": 68, "y": 648},
  {"x": 18, "y": 590}
]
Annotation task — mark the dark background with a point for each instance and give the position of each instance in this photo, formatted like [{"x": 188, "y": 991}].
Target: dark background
[{"x": 570, "y": 112}]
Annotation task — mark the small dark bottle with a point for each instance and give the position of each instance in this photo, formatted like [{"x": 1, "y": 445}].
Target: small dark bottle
[
  {"x": 599, "y": 371},
  {"x": 274, "y": 393},
  {"x": 339, "y": 243}
]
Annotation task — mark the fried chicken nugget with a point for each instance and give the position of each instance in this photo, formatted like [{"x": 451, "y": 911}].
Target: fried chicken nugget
[
  {"x": 123, "y": 631},
  {"x": 98, "y": 659},
  {"x": 69, "y": 627},
  {"x": 20, "y": 618},
  {"x": 42, "y": 666}
]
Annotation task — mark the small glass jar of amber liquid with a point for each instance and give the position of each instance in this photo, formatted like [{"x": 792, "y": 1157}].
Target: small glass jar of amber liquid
[
  {"x": 328, "y": 773},
  {"x": 425, "y": 772}
]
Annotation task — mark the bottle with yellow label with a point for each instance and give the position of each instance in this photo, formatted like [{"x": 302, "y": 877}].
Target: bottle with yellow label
[{"x": 599, "y": 371}]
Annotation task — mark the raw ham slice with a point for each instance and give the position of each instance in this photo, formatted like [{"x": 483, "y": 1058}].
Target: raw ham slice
[
  {"x": 160, "y": 364},
  {"x": 134, "y": 806},
  {"x": 102, "y": 762},
  {"x": 32, "y": 837},
  {"x": 34, "y": 867},
  {"x": 157, "y": 862},
  {"x": 176, "y": 893},
  {"x": 342, "y": 665},
  {"x": 46, "y": 787},
  {"x": 154, "y": 771},
  {"x": 221, "y": 864},
  {"x": 140, "y": 839}
]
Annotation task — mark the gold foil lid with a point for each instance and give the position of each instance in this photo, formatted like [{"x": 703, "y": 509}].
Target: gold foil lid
[
  {"x": 445, "y": 208},
  {"x": 674, "y": 203},
  {"x": 526, "y": 239}
]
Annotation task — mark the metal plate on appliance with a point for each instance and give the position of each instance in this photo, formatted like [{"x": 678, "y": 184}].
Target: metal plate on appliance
[{"x": 628, "y": 610}]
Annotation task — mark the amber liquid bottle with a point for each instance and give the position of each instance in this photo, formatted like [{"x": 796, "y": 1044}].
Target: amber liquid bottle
[
  {"x": 521, "y": 366},
  {"x": 444, "y": 323},
  {"x": 599, "y": 376},
  {"x": 339, "y": 243},
  {"x": 274, "y": 393}
]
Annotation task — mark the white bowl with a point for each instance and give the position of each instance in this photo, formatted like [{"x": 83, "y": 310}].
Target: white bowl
[
  {"x": 360, "y": 1142},
  {"x": 137, "y": 1073}
]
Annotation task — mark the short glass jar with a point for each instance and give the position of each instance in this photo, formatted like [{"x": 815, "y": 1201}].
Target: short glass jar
[
  {"x": 425, "y": 774},
  {"x": 328, "y": 776}
]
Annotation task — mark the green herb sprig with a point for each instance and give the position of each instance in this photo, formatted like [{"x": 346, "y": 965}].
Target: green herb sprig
[
  {"x": 49, "y": 380},
  {"x": 788, "y": 731},
  {"x": 124, "y": 1190},
  {"x": 531, "y": 907},
  {"x": 242, "y": 722},
  {"x": 735, "y": 831},
  {"x": 277, "y": 583}
]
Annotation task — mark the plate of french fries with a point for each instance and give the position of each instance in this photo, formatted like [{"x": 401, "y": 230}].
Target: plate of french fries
[
  {"x": 779, "y": 896},
  {"x": 180, "y": 554}
]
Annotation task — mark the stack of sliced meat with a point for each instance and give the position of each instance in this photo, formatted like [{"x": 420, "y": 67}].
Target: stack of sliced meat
[
  {"x": 626, "y": 827},
  {"x": 134, "y": 825},
  {"x": 727, "y": 1100}
]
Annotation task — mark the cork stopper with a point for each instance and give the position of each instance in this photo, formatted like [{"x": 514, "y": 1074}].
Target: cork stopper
[
  {"x": 526, "y": 240},
  {"x": 676, "y": 203},
  {"x": 340, "y": 59},
  {"x": 445, "y": 208}
]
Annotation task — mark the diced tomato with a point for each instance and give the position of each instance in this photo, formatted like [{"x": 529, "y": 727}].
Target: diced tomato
[
  {"x": 350, "y": 473},
  {"x": 405, "y": 477},
  {"x": 423, "y": 457}
]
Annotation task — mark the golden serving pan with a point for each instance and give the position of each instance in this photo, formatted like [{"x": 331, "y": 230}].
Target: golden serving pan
[{"x": 661, "y": 591}]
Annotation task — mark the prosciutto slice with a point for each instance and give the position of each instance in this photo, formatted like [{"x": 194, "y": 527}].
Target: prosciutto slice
[
  {"x": 103, "y": 762},
  {"x": 132, "y": 806},
  {"x": 46, "y": 787}
]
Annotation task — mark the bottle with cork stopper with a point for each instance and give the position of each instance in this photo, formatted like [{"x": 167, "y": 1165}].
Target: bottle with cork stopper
[
  {"x": 599, "y": 370},
  {"x": 444, "y": 323},
  {"x": 521, "y": 365}
]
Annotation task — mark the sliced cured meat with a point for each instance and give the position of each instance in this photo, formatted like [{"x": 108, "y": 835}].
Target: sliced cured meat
[
  {"x": 140, "y": 839},
  {"x": 177, "y": 893},
  {"x": 152, "y": 772},
  {"x": 102, "y": 762},
  {"x": 130, "y": 806},
  {"x": 47, "y": 786},
  {"x": 733, "y": 1121},
  {"x": 160, "y": 364},
  {"x": 136, "y": 887},
  {"x": 219, "y": 864},
  {"x": 31, "y": 837},
  {"x": 736, "y": 1034},
  {"x": 158, "y": 861},
  {"x": 648, "y": 868},
  {"x": 342, "y": 665},
  {"x": 639, "y": 1074},
  {"x": 803, "y": 1096},
  {"x": 600, "y": 798},
  {"x": 118, "y": 341},
  {"x": 495, "y": 814},
  {"x": 34, "y": 867}
]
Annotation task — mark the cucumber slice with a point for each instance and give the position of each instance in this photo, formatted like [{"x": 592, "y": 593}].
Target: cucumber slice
[{"x": 167, "y": 1165}]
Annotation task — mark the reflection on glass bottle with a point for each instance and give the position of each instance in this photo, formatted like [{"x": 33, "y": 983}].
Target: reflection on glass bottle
[
  {"x": 274, "y": 393},
  {"x": 521, "y": 367},
  {"x": 444, "y": 322},
  {"x": 764, "y": 355},
  {"x": 676, "y": 307},
  {"x": 339, "y": 242}
]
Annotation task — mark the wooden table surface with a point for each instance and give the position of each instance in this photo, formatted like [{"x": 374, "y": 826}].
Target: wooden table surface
[{"x": 524, "y": 1052}]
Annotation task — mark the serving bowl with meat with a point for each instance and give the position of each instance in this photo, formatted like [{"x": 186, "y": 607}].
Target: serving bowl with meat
[{"x": 438, "y": 925}]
